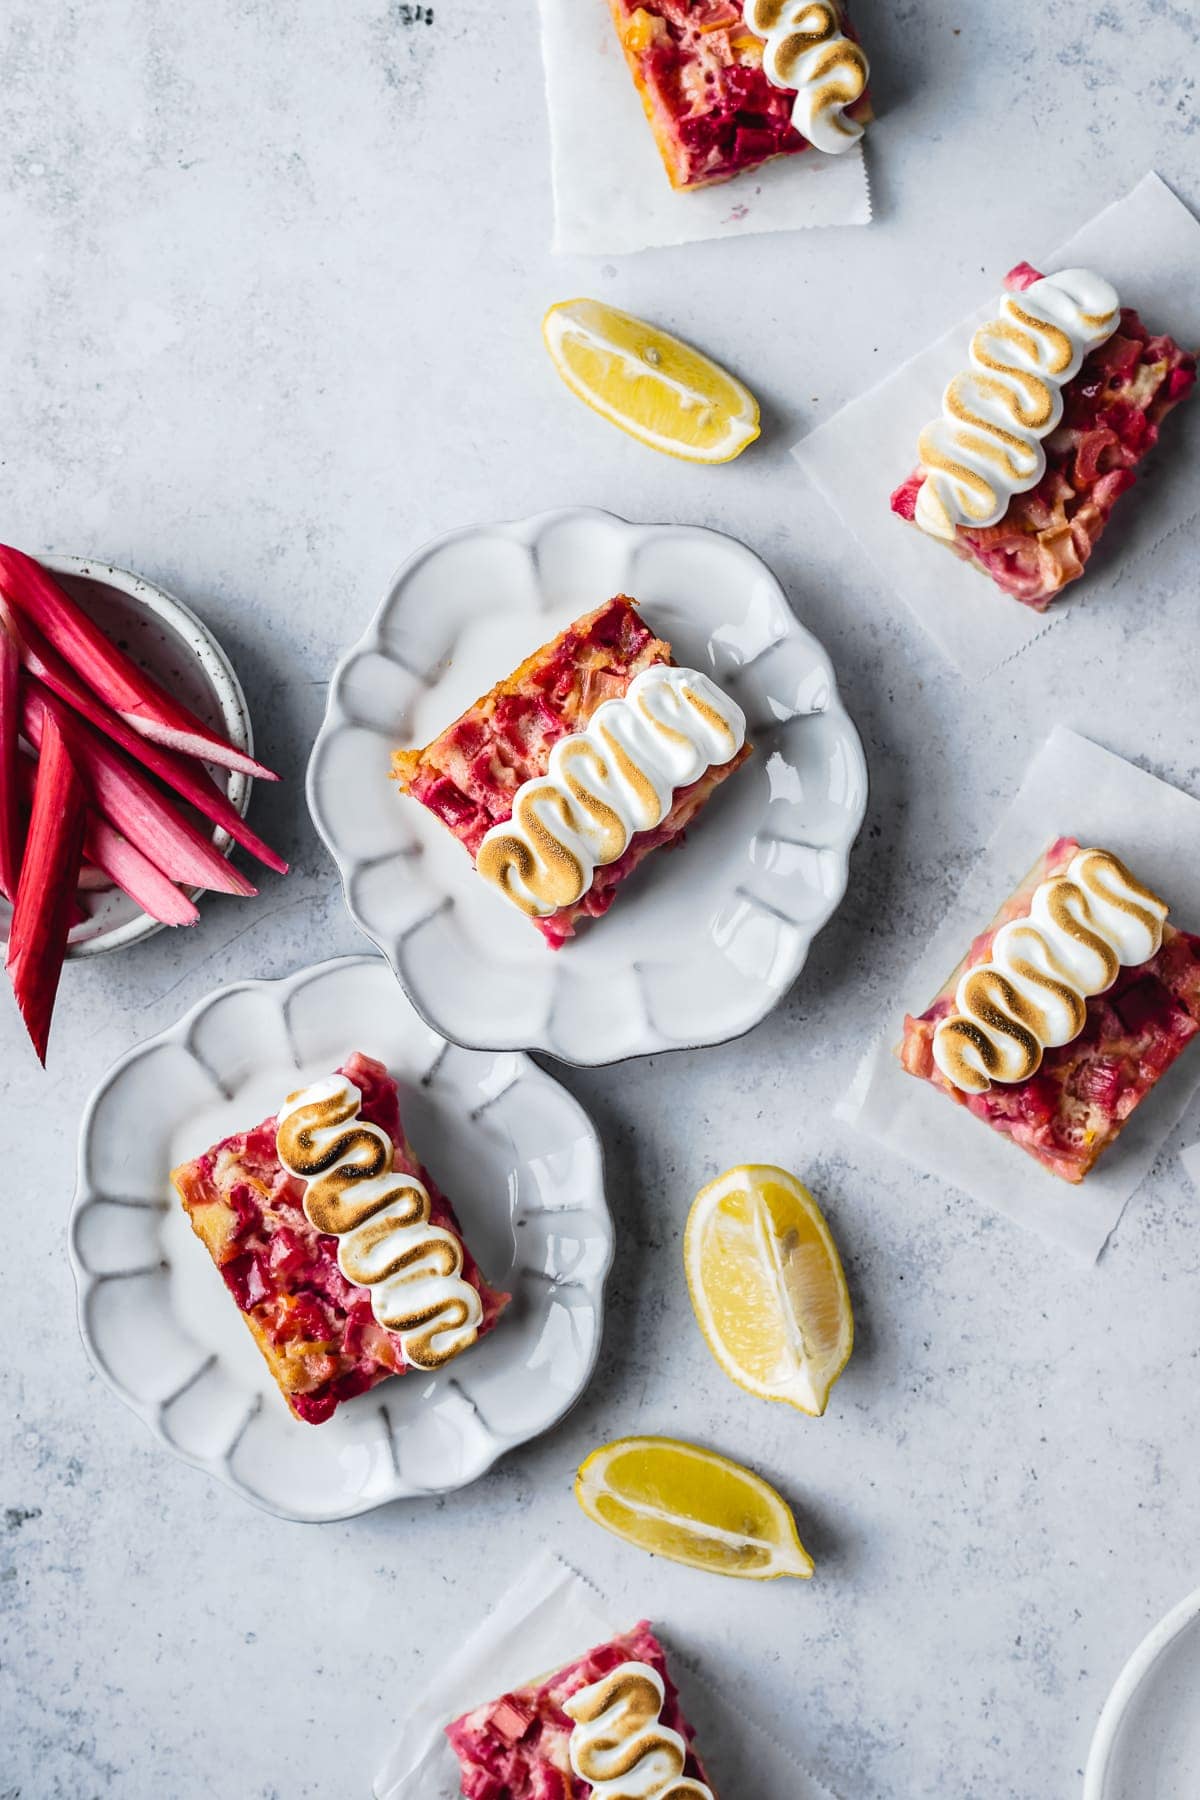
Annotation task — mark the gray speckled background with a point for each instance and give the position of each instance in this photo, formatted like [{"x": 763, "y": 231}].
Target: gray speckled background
[{"x": 269, "y": 298}]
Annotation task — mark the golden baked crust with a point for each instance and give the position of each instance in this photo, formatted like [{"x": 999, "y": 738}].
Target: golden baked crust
[{"x": 407, "y": 764}]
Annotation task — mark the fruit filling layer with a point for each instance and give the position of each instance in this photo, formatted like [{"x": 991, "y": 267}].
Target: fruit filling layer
[
  {"x": 470, "y": 776},
  {"x": 713, "y": 108},
  {"x": 1076, "y": 1103},
  {"x": 317, "y": 1330},
  {"x": 1111, "y": 413},
  {"x": 519, "y": 1746}
]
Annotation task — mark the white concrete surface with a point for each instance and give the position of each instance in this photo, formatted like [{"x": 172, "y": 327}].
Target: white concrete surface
[{"x": 270, "y": 293}]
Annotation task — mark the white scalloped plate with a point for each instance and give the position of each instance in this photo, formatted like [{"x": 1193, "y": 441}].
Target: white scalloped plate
[
  {"x": 704, "y": 941},
  {"x": 514, "y": 1151}
]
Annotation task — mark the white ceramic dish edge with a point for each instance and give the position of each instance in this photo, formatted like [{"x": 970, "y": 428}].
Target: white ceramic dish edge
[
  {"x": 528, "y": 532},
  {"x": 1104, "y": 1743},
  {"x": 151, "y": 1413},
  {"x": 226, "y": 688}
]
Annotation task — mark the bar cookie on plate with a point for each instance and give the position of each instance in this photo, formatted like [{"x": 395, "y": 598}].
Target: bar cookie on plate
[
  {"x": 345, "y": 1260},
  {"x": 563, "y": 778}
]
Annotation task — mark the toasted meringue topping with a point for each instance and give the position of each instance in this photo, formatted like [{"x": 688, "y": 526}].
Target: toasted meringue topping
[
  {"x": 807, "y": 50},
  {"x": 987, "y": 445},
  {"x": 1031, "y": 994},
  {"x": 381, "y": 1220},
  {"x": 618, "y": 1744},
  {"x": 605, "y": 784}
]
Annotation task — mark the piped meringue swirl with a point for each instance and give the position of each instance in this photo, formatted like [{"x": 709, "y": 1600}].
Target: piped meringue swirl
[
  {"x": 381, "y": 1221},
  {"x": 1031, "y": 994},
  {"x": 608, "y": 782},
  {"x": 987, "y": 446},
  {"x": 806, "y": 49},
  {"x": 619, "y": 1744}
]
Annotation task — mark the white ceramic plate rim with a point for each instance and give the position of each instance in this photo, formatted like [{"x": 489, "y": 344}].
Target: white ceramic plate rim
[
  {"x": 227, "y": 690},
  {"x": 1125, "y": 1689},
  {"x": 338, "y": 717},
  {"x": 150, "y": 1412}
]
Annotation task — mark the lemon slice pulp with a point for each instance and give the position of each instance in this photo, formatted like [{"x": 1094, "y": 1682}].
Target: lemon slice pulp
[
  {"x": 767, "y": 1286},
  {"x": 652, "y": 385},
  {"x": 680, "y": 1501}
]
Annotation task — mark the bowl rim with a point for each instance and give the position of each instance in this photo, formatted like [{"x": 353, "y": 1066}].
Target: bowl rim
[
  {"x": 214, "y": 663},
  {"x": 525, "y": 528},
  {"x": 1116, "y": 1708},
  {"x": 216, "y": 1465}
]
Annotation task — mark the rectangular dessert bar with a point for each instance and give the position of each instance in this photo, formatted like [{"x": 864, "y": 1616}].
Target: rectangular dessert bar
[
  {"x": 1111, "y": 413},
  {"x": 317, "y": 1330},
  {"x": 713, "y": 107},
  {"x": 1076, "y": 1102},
  {"x": 541, "y": 1741},
  {"x": 470, "y": 775}
]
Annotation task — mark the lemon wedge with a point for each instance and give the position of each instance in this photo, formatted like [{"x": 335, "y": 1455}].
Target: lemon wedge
[
  {"x": 691, "y": 1505},
  {"x": 651, "y": 384},
  {"x": 767, "y": 1286}
]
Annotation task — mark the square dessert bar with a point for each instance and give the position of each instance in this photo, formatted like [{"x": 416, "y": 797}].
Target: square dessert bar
[
  {"x": 728, "y": 86},
  {"x": 1015, "y": 1035},
  {"x": 318, "y": 1330},
  {"x": 1033, "y": 542},
  {"x": 473, "y": 776},
  {"x": 613, "y": 1712}
]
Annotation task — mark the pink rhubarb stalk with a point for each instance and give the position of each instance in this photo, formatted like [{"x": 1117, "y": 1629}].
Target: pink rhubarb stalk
[
  {"x": 145, "y": 706},
  {"x": 187, "y": 777},
  {"x": 129, "y": 800},
  {"x": 123, "y": 863},
  {"x": 45, "y": 903},
  {"x": 10, "y": 743}
]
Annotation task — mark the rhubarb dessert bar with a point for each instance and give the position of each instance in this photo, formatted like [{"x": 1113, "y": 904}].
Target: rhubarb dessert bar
[
  {"x": 346, "y": 1262},
  {"x": 563, "y": 779},
  {"x": 729, "y": 84},
  {"x": 609, "y": 1724},
  {"x": 1040, "y": 435},
  {"x": 1065, "y": 1012}
]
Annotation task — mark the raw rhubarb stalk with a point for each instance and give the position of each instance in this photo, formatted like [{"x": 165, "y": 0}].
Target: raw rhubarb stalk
[
  {"x": 187, "y": 777},
  {"x": 128, "y": 799},
  {"x": 45, "y": 901},
  {"x": 124, "y": 864},
  {"x": 111, "y": 860},
  {"x": 10, "y": 741},
  {"x": 144, "y": 705}
]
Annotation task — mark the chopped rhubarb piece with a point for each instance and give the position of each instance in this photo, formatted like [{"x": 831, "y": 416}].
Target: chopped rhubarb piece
[
  {"x": 135, "y": 874},
  {"x": 10, "y": 743},
  {"x": 511, "y": 1719},
  {"x": 45, "y": 899},
  {"x": 129, "y": 800},
  {"x": 188, "y": 778},
  {"x": 115, "y": 677},
  {"x": 1077, "y": 1102},
  {"x": 316, "y": 1329}
]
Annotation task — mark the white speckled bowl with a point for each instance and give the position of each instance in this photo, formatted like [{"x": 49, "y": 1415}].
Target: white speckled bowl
[
  {"x": 1147, "y": 1744},
  {"x": 164, "y": 636},
  {"x": 515, "y": 1153},
  {"x": 705, "y": 940}
]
